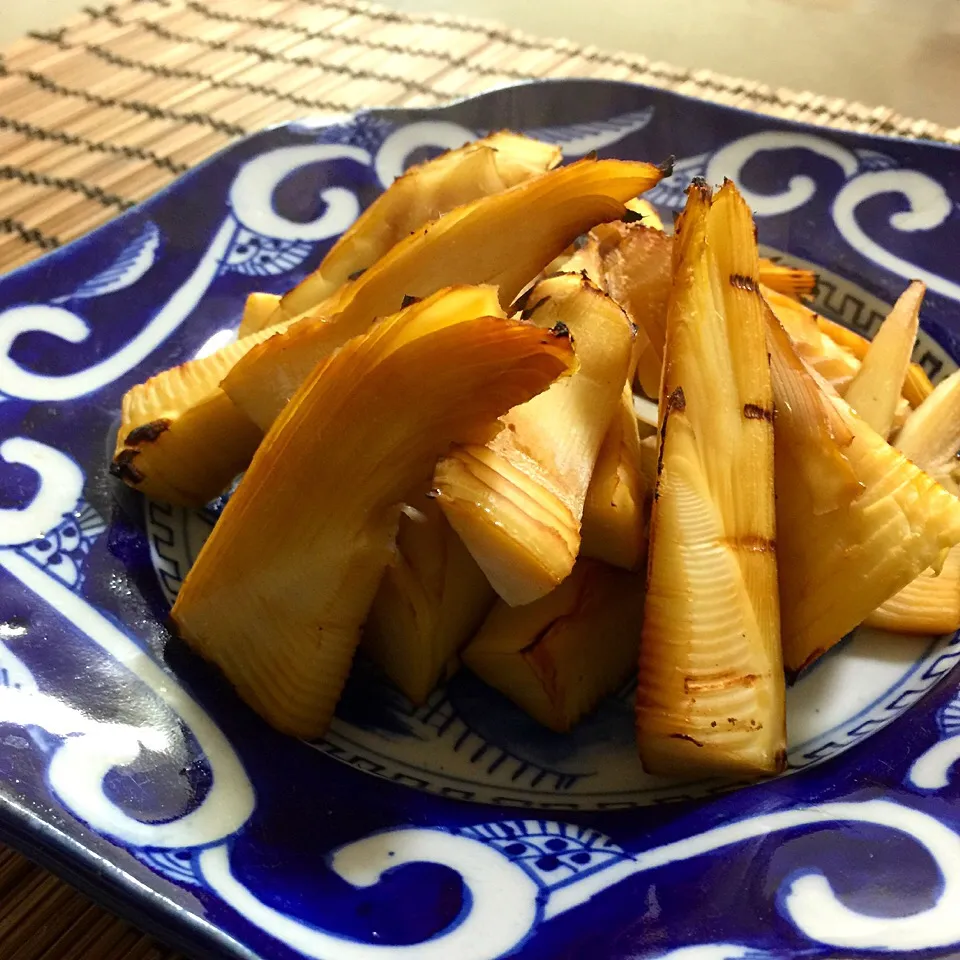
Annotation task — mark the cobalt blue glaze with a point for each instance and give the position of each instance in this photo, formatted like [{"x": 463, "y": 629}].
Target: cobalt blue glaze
[{"x": 878, "y": 821}]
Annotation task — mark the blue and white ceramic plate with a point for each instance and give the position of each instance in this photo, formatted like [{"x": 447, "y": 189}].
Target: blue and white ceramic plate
[{"x": 457, "y": 831}]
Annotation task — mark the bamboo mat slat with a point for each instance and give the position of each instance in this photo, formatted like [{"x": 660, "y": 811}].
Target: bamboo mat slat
[{"x": 104, "y": 111}]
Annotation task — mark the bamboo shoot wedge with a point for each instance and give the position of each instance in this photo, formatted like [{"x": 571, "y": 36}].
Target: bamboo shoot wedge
[
  {"x": 614, "y": 527},
  {"x": 431, "y": 600},
  {"x": 930, "y": 438},
  {"x": 278, "y": 593},
  {"x": 503, "y": 240},
  {"x": 517, "y": 502},
  {"x": 856, "y": 520},
  {"x": 181, "y": 439},
  {"x": 559, "y": 656},
  {"x": 710, "y": 694},
  {"x": 421, "y": 194},
  {"x": 875, "y": 391}
]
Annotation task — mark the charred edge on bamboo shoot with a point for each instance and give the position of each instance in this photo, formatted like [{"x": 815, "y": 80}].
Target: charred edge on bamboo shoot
[
  {"x": 147, "y": 433},
  {"x": 753, "y": 411},
  {"x": 740, "y": 282},
  {"x": 122, "y": 467}
]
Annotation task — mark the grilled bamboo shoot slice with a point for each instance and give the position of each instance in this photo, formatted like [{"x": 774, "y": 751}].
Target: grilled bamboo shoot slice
[
  {"x": 279, "y": 591},
  {"x": 875, "y": 391},
  {"x": 540, "y": 217},
  {"x": 421, "y": 194},
  {"x": 930, "y": 438},
  {"x": 637, "y": 271},
  {"x": 181, "y": 439},
  {"x": 517, "y": 503},
  {"x": 431, "y": 601},
  {"x": 710, "y": 695},
  {"x": 614, "y": 521},
  {"x": 916, "y": 387},
  {"x": 559, "y": 656},
  {"x": 257, "y": 312},
  {"x": 792, "y": 281},
  {"x": 856, "y": 520}
]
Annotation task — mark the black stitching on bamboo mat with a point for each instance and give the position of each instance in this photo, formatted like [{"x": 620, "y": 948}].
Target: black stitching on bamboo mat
[
  {"x": 137, "y": 106},
  {"x": 178, "y": 73},
  {"x": 70, "y": 184},
  {"x": 32, "y": 132},
  {"x": 28, "y": 234},
  {"x": 261, "y": 54},
  {"x": 347, "y": 41}
]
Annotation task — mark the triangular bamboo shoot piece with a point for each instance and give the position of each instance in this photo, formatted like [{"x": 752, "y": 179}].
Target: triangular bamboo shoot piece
[
  {"x": 257, "y": 312},
  {"x": 856, "y": 520},
  {"x": 279, "y": 591},
  {"x": 916, "y": 386},
  {"x": 614, "y": 527},
  {"x": 646, "y": 211},
  {"x": 637, "y": 272},
  {"x": 503, "y": 240},
  {"x": 792, "y": 281},
  {"x": 558, "y": 657},
  {"x": 431, "y": 601},
  {"x": 875, "y": 391},
  {"x": 930, "y": 438},
  {"x": 421, "y": 194},
  {"x": 710, "y": 694},
  {"x": 517, "y": 503},
  {"x": 181, "y": 439}
]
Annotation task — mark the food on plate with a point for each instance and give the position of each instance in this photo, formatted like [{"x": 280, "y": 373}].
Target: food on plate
[
  {"x": 446, "y": 466},
  {"x": 280, "y": 591},
  {"x": 518, "y": 500},
  {"x": 431, "y": 600},
  {"x": 856, "y": 520},
  {"x": 710, "y": 688},
  {"x": 559, "y": 656},
  {"x": 180, "y": 438},
  {"x": 541, "y": 216},
  {"x": 930, "y": 438},
  {"x": 420, "y": 195},
  {"x": 614, "y": 513},
  {"x": 875, "y": 392}
]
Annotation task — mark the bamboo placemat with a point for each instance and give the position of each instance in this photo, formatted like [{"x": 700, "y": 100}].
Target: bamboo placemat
[{"x": 101, "y": 113}]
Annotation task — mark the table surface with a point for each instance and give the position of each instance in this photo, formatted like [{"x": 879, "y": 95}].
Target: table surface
[
  {"x": 879, "y": 52},
  {"x": 90, "y": 125}
]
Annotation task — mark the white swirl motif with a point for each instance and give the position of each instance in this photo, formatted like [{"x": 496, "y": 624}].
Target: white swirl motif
[
  {"x": 251, "y": 200},
  {"x": 394, "y": 152},
  {"x": 730, "y": 160},
  {"x": 929, "y": 206},
  {"x": 61, "y": 483}
]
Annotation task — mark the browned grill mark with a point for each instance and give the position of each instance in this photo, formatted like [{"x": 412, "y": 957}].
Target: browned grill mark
[
  {"x": 147, "y": 433},
  {"x": 713, "y": 683},
  {"x": 685, "y": 736},
  {"x": 753, "y": 411},
  {"x": 741, "y": 282},
  {"x": 122, "y": 467},
  {"x": 677, "y": 401},
  {"x": 409, "y": 300},
  {"x": 751, "y": 543}
]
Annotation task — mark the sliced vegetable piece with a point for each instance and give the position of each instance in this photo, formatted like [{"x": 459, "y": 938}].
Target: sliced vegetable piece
[
  {"x": 842, "y": 551},
  {"x": 875, "y": 391},
  {"x": 710, "y": 694},
  {"x": 517, "y": 503},
  {"x": 930, "y": 438},
  {"x": 637, "y": 272},
  {"x": 430, "y": 602},
  {"x": 646, "y": 211},
  {"x": 540, "y": 217},
  {"x": 558, "y": 657},
  {"x": 279, "y": 591},
  {"x": 614, "y": 527},
  {"x": 793, "y": 281},
  {"x": 257, "y": 312},
  {"x": 181, "y": 439},
  {"x": 421, "y": 194}
]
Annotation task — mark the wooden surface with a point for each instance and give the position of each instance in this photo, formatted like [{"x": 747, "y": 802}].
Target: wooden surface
[{"x": 97, "y": 115}]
